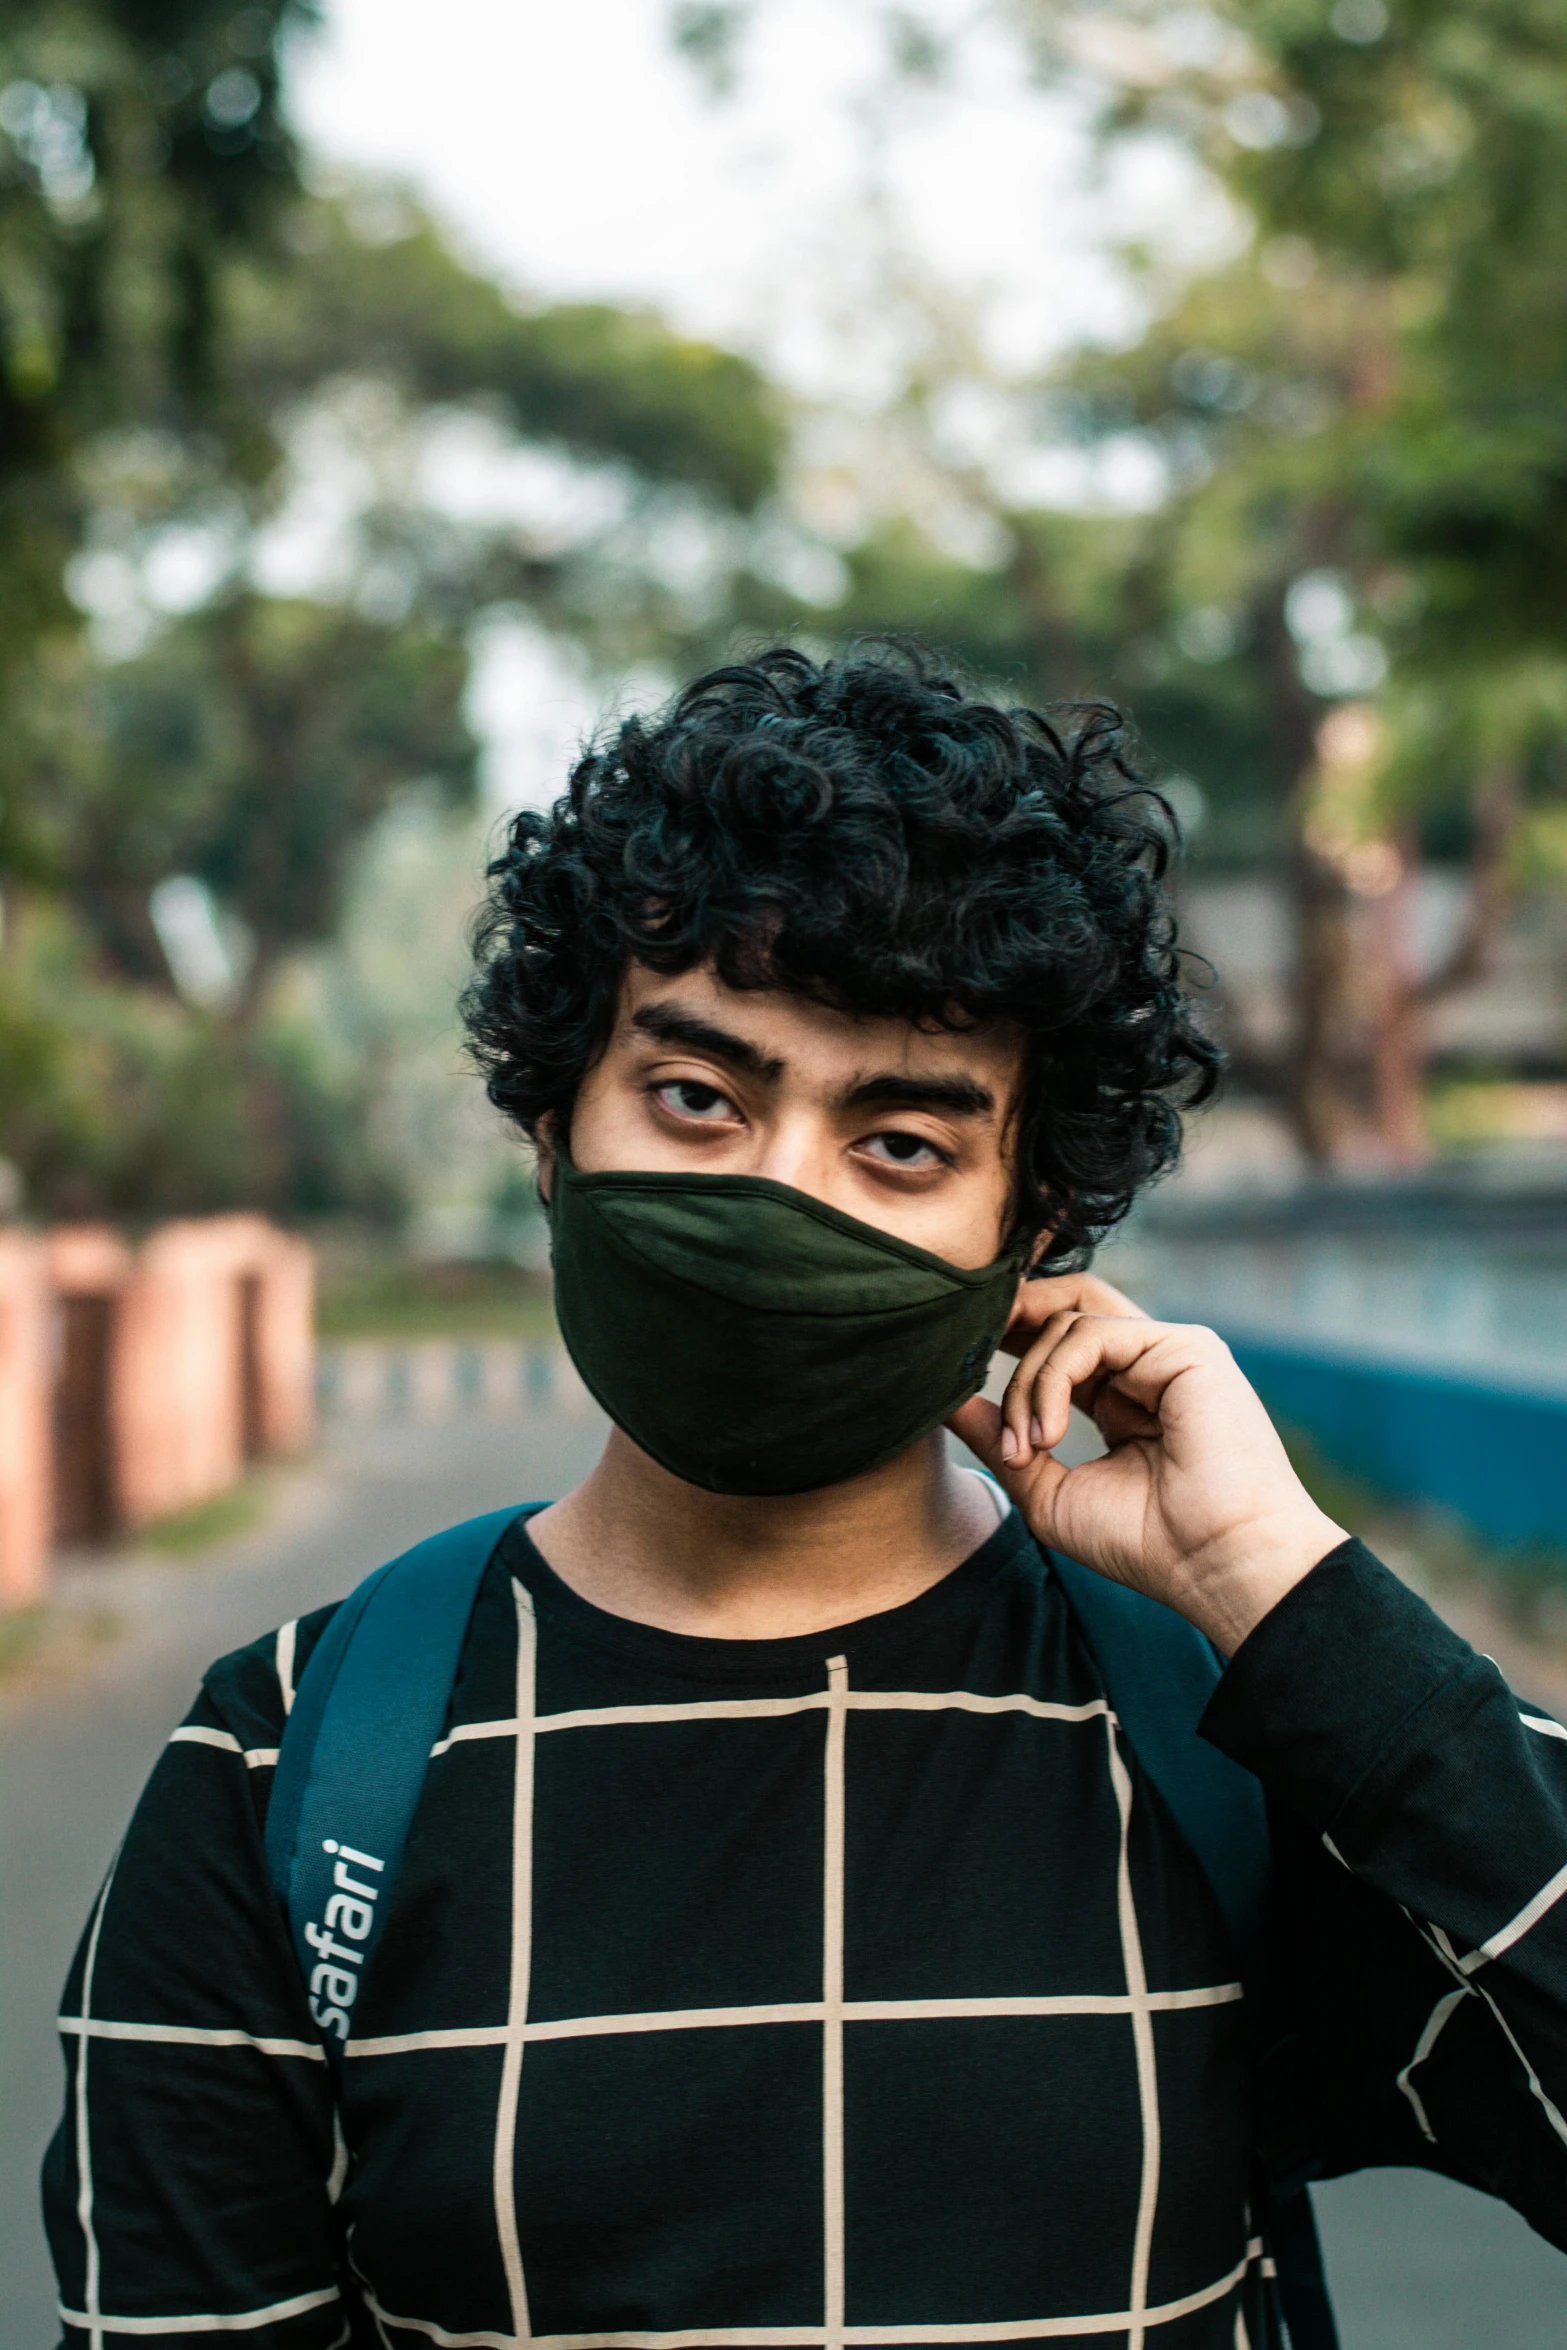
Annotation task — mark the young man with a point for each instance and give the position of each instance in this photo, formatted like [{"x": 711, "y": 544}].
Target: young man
[{"x": 791, "y": 1949}]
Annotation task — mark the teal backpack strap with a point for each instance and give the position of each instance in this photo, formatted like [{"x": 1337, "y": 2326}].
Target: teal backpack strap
[
  {"x": 1159, "y": 1673},
  {"x": 355, "y": 1749}
]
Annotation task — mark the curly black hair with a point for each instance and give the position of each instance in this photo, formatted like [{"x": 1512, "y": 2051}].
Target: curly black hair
[{"x": 865, "y": 833}]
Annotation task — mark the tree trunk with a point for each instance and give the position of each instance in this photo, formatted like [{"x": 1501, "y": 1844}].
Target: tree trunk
[
  {"x": 1403, "y": 996},
  {"x": 1323, "y": 1110},
  {"x": 1398, "y": 1037},
  {"x": 1320, "y": 1116}
]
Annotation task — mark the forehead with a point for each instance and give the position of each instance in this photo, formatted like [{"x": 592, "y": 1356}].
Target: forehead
[{"x": 820, "y": 1048}]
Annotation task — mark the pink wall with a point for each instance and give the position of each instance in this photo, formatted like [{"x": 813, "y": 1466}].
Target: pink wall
[
  {"x": 26, "y": 1478},
  {"x": 179, "y": 1405},
  {"x": 206, "y": 1346}
]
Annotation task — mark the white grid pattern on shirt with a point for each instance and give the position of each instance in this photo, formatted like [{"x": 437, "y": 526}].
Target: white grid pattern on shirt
[
  {"x": 1435, "y": 2024},
  {"x": 236, "y": 2321},
  {"x": 255, "y": 1758},
  {"x": 283, "y": 1663},
  {"x": 798, "y": 2011},
  {"x": 762, "y": 1709},
  {"x": 855, "y": 2337},
  {"x": 84, "y": 2177},
  {"x": 831, "y": 2013},
  {"x": 1142, "y": 2042},
  {"x": 1442, "y": 1945},
  {"x": 521, "y": 1967},
  {"x": 833, "y": 1898}
]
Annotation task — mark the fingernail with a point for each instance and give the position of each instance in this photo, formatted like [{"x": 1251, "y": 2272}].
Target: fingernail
[
  {"x": 1036, "y": 1431},
  {"x": 1008, "y": 1445}
]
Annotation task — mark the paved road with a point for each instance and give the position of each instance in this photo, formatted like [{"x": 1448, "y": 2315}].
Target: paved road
[{"x": 1417, "y": 2264}]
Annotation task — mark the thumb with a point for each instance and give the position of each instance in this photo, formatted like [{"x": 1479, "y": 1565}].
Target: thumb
[
  {"x": 977, "y": 1424},
  {"x": 1032, "y": 1485}
]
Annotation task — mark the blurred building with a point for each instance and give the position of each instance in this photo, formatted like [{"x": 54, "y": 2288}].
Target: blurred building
[{"x": 138, "y": 1381}]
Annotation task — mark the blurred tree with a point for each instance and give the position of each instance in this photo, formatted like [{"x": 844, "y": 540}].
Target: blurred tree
[
  {"x": 234, "y": 768},
  {"x": 174, "y": 311},
  {"x": 1404, "y": 168},
  {"x": 250, "y": 747},
  {"x": 369, "y": 288},
  {"x": 127, "y": 1101},
  {"x": 1360, "y": 422},
  {"x": 141, "y": 148}
]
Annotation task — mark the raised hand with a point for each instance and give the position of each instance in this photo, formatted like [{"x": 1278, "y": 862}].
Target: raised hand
[{"x": 1195, "y": 1502}]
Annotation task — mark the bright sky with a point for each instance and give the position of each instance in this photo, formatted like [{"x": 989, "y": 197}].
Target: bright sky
[
  {"x": 573, "y": 151},
  {"x": 567, "y": 148}
]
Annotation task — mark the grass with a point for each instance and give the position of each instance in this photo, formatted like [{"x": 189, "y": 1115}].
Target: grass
[
  {"x": 207, "y": 1522},
  {"x": 1436, "y": 1550},
  {"x": 47, "y": 1643},
  {"x": 1343, "y": 1497},
  {"x": 20, "y": 1633},
  {"x": 397, "y": 1297},
  {"x": 1467, "y": 1113}
]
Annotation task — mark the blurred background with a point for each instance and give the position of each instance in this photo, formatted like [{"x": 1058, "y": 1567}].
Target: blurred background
[{"x": 388, "y": 393}]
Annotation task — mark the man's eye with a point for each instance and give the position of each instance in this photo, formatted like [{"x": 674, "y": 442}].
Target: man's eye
[
  {"x": 689, "y": 1099},
  {"x": 903, "y": 1150}
]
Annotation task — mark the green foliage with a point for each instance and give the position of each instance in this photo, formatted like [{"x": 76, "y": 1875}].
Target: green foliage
[
  {"x": 171, "y": 302},
  {"x": 707, "y": 33},
  {"x": 140, "y": 150},
  {"x": 122, "y": 1101},
  {"x": 1437, "y": 166},
  {"x": 1412, "y": 174},
  {"x": 371, "y": 289},
  {"x": 1081, "y": 609},
  {"x": 252, "y": 745},
  {"x": 318, "y": 717}
]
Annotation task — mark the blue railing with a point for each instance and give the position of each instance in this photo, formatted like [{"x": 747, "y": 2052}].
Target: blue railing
[{"x": 1491, "y": 1451}]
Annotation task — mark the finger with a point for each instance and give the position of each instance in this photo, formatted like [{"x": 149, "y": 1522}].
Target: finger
[
  {"x": 1053, "y": 1391},
  {"x": 978, "y": 1424},
  {"x": 1141, "y": 1361},
  {"x": 1046, "y": 1295},
  {"x": 1075, "y": 1360},
  {"x": 1024, "y": 1430}
]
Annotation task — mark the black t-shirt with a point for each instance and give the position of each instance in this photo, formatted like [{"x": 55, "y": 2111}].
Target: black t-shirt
[{"x": 851, "y": 1989}]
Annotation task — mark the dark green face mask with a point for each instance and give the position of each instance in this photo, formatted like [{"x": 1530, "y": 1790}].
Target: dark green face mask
[{"x": 754, "y": 1340}]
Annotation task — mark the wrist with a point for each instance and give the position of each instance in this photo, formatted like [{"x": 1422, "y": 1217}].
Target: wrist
[{"x": 1228, "y": 1590}]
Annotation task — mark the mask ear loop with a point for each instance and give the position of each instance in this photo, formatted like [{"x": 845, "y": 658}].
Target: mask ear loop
[{"x": 999, "y": 1494}]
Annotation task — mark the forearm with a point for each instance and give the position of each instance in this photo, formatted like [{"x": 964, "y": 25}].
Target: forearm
[{"x": 1407, "y": 1753}]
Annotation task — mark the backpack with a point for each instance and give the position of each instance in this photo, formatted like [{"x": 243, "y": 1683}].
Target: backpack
[{"x": 372, "y": 1702}]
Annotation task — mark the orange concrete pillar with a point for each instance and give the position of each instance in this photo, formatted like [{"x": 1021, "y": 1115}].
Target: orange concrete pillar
[
  {"x": 281, "y": 1341},
  {"x": 215, "y": 1360},
  {"x": 178, "y": 1406},
  {"x": 26, "y": 1446}
]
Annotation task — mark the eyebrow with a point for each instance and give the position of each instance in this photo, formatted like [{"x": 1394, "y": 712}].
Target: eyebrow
[
  {"x": 886, "y": 1089},
  {"x": 667, "y": 1024},
  {"x": 961, "y": 1097}
]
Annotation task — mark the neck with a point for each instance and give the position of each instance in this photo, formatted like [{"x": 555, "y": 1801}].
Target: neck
[{"x": 644, "y": 1544}]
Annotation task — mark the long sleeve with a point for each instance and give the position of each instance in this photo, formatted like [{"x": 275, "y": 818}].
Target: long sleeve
[
  {"x": 194, "y": 2173},
  {"x": 1424, "y": 1879}
]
